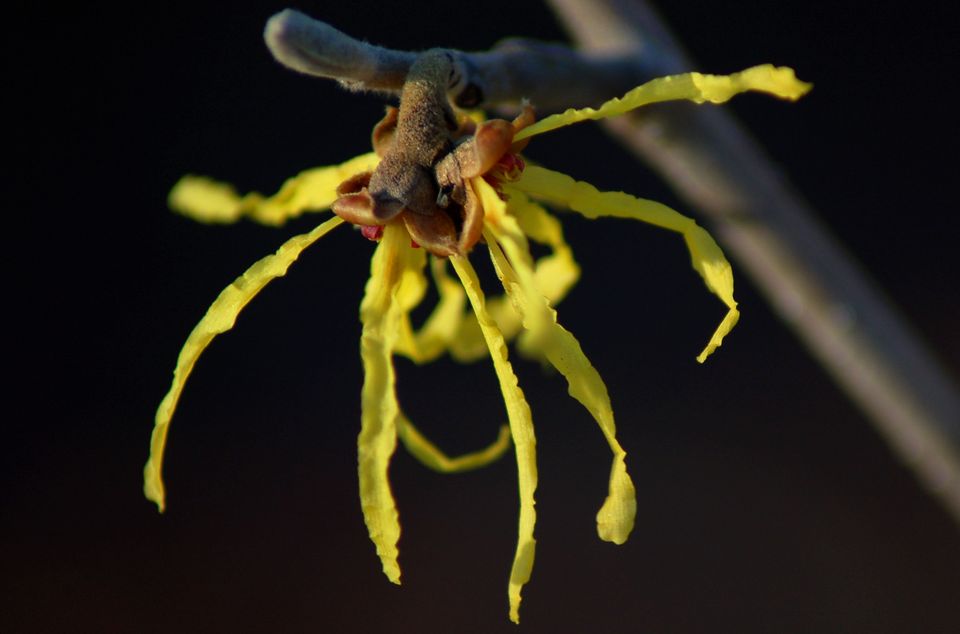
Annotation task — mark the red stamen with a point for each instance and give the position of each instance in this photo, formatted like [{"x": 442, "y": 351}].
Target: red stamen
[
  {"x": 508, "y": 168},
  {"x": 371, "y": 232},
  {"x": 511, "y": 166}
]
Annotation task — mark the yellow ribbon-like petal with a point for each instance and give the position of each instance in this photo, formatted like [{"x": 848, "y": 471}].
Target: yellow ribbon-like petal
[
  {"x": 708, "y": 259},
  {"x": 555, "y": 274},
  {"x": 521, "y": 429},
  {"x": 433, "y": 339},
  {"x": 425, "y": 345},
  {"x": 451, "y": 329},
  {"x": 615, "y": 519},
  {"x": 526, "y": 298},
  {"x": 206, "y": 200},
  {"x": 413, "y": 285},
  {"x": 705, "y": 254},
  {"x": 469, "y": 343},
  {"x": 432, "y": 457},
  {"x": 778, "y": 81},
  {"x": 220, "y": 317},
  {"x": 380, "y": 315}
]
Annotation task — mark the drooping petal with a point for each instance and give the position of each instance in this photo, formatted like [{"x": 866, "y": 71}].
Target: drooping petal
[
  {"x": 432, "y": 457},
  {"x": 777, "y": 81},
  {"x": 552, "y": 275},
  {"x": 220, "y": 317},
  {"x": 451, "y": 329},
  {"x": 206, "y": 200},
  {"x": 556, "y": 273},
  {"x": 413, "y": 285},
  {"x": 527, "y": 300},
  {"x": 428, "y": 343},
  {"x": 710, "y": 263},
  {"x": 615, "y": 519},
  {"x": 433, "y": 339},
  {"x": 469, "y": 344},
  {"x": 705, "y": 254},
  {"x": 380, "y": 314},
  {"x": 521, "y": 429}
]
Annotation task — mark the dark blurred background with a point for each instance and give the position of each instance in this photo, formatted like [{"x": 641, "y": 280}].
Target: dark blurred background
[{"x": 767, "y": 503}]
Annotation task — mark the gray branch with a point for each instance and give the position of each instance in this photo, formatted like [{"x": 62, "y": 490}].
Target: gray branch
[
  {"x": 315, "y": 48},
  {"x": 514, "y": 70},
  {"x": 721, "y": 172}
]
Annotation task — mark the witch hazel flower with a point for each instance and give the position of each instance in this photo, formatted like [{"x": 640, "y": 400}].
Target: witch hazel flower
[{"x": 443, "y": 187}]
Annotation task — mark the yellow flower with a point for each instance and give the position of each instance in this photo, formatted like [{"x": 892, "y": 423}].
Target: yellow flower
[{"x": 398, "y": 284}]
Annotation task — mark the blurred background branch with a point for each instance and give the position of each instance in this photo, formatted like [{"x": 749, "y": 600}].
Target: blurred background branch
[{"x": 775, "y": 237}]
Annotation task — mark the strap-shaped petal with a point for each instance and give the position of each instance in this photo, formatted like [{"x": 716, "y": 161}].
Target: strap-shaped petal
[
  {"x": 432, "y": 457},
  {"x": 413, "y": 285},
  {"x": 615, "y": 519},
  {"x": 380, "y": 315},
  {"x": 706, "y": 256},
  {"x": 778, "y": 81},
  {"x": 521, "y": 429},
  {"x": 470, "y": 345},
  {"x": 450, "y": 328},
  {"x": 555, "y": 274},
  {"x": 206, "y": 200},
  {"x": 220, "y": 317},
  {"x": 441, "y": 327}
]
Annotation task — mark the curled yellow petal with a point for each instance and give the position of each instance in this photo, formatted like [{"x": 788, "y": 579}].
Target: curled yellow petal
[
  {"x": 206, "y": 200},
  {"x": 380, "y": 314},
  {"x": 220, "y": 317},
  {"x": 449, "y": 328},
  {"x": 432, "y": 457},
  {"x": 469, "y": 343},
  {"x": 710, "y": 263},
  {"x": 615, "y": 519},
  {"x": 706, "y": 256},
  {"x": 441, "y": 327},
  {"x": 526, "y": 298},
  {"x": 521, "y": 429},
  {"x": 560, "y": 189},
  {"x": 778, "y": 81},
  {"x": 556, "y": 273},
  {"x": 412, "y": 286}
]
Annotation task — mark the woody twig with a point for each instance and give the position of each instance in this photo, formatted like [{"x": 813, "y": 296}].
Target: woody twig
[{"x": 514, "y": 70}]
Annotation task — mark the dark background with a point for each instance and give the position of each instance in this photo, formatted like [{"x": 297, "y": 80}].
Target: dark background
[{"x": 767, "y": 503}]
